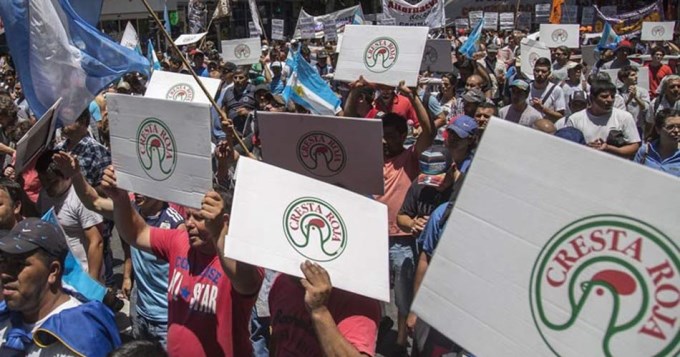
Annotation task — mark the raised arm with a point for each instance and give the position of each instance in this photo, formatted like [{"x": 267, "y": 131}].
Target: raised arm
[
  {"x": 69, "y": 167},
  {"x": 426, "y": 136}
]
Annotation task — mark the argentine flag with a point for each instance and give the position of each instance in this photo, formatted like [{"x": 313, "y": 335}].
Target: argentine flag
[
  {"x": 609, "y": 37},
  {"x": 151, "y": 56},
  {"x": 57, "y": 54},
  {"x": 306, "y": 88},
  {"x": 471, "y": 45}
]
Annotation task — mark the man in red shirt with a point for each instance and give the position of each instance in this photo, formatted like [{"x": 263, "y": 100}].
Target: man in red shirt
[
  {"x": 210, "y": 297},
  {"x": 657, "y": 70},
  {"x": 311, "y": 318}
]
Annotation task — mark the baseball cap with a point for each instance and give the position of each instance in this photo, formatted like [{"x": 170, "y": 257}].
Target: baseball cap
[
  {"x": 464, "y": 126},
  {"x": 572, "y": 65},
  {"x": 33, "y": 233},
  {"x": 474, "y": 96},
  {"x": 434, "y": 163},
  {"x": 123, "y": 85},
  {"x": 321, "y": 54},
  {"x": 572, "y": 134},
  {"x": 521, "y": 84},
  {"x": 578, "y": 96},
  {"x": 196, "y": 52},
  {"x": 265, "y": 48},
  {"x": 276, "y": 64},
  {"x": 492, "y": 48},
  {"x": 625, "y": 44},
  {"x": 229, "y": 67}
]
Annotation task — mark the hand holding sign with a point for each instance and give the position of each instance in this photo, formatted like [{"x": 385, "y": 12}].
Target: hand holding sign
[
  {"x": 110, "y": 185},
  {"x": 67, "y": 164},
  {"x": 212, "y": 211},
  {"x": 317, "y": 284}
]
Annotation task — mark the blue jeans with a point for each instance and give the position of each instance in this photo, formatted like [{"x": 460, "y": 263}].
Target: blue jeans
[
  {"x": 144, "y": 329},
  {"x": 403, "y": 255}
]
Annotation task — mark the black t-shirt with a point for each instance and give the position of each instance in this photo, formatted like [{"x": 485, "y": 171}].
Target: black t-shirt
[{"x": 421, "y": 200}]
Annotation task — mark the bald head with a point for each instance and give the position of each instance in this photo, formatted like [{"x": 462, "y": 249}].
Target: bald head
[{"x": 545, "y": 126}]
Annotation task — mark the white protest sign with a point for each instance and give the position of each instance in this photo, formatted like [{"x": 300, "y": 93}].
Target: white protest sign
[
  {"x": 507, "y": 20},
  {"x": 657, "y": 31},
  {"x": 344, "y": 152},
  {"x": 560, "y": 35},
  {"x": 161, "y": 148},
  {"x": 277, "y": 29},
  {"x": 242, "y": 51},
  {"x": 350, "y": 15},
  {"x": 643, "y": 77},
  {"x": 538, "y": 259},
  {"x": 531, "y": 51},
  {"x": 339, "y": 44},
  {"x": 462, "y": 24},
  {"x": 428, "y": 13},
  {"x": 180, "y": 87},
  {"x": 188, "y": 39},
  {"x": 382, "y": 54},
  {"x": 344, "y": 232},
  {"x": 475, "y": 17},
  {"x": 330, "y": 30},
  {"x": 542, "y": 13},
  {"x": 130, "y": 38},
  {"x": 252, "y": 30},
  {"x": 307, "y": 27},
  {"x": 490, "y": 21},
  {"x": 37, "y": 139},
  {"x": 387, "y": 21},
  {"x": 437, "y": 56}
]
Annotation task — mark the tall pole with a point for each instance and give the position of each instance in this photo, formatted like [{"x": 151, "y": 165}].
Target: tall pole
[{"x": 225, "y": 120}]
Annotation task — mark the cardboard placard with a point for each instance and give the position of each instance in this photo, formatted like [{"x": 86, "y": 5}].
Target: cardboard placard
[
  {"x": 188, "y": 39},
  {"x": 277, "y": 29},
  {"x": 37, "y": 139},
  {"x": 382, "y": 54},
  {"x": 560, "y": 35},
  {"x": 491, "y": 21},
  {"x": 536, "y": 259},
  {"x": 180, "y": 87},
  {"x": 305, "y": 219},
  {"x": 161, "y": 148},
  {"x": 330, "y": 30},
  {"x": 344, "y": 152},
  {"x": 242, "y": 51},
  {"x": 507, "y": 20},
  {"x": 475, "y": 17},
  {"x": 531, "y": 51},
  {"x": 437, "y": 56},
  {"x": 657, "y": 31}
]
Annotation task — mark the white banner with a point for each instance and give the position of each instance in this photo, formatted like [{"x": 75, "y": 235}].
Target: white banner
[
  {"x": 538, "y": 260},
  {"x": 542, "y": 13},
  {"x": 657, "y": 31},
  {"x": 428, "y": 13},
  {"x": 382, "y": 54},
  {"x": 255, "y": 15},
  {"x": 507, "y": 20},
  {"x": 277, "y": 29},
  {"x": 491, "y": 21},
  {"x": 307, "y": 28},
  {"x": 388, "y": 21},
  {"x": 343, "y": 152},
  {"x": 130, "y": 38},
  {"x": 188, "y": 39},
  {"x": 344, "y": 232},
  {"x": 437, "y": 56},
  {"x": 36, "y": 140},
  {"x": 242, "y": 51},
  {"x": 350, "y": 16},
  {"x": 531, "y": 51},
  {"x": 462, "y": 24},
  {"x": 330, "y": 30},
  {"x": 560, "y": 35},
  {"x": 161, "y": 148},
  {"x": 180, "y": 87}
]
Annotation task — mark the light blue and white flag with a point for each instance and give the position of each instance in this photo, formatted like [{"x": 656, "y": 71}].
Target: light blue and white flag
[
  {"x": 609, "y": 38},
  {"x": 471, "y": 45},
  {"x": 151, "y": 56},
  {"x": 306, "y": 88},
  {"x": 58, "y": 54},
  {"x": 166, "y": 19}
]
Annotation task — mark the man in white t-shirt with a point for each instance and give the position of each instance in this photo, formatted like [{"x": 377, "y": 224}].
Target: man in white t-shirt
[
  {"x": 80, "y": 224},
  {"x": 37, "y": 317},
  {"x": 545, "y": 96},
  {"x": 518, "y": 111},
  {"x": 604, "y": 127}
]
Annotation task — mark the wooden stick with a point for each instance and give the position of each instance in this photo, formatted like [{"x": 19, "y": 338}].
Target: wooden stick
[
  {"x": 186, "y": 63},
  {"x": 207, "y": 30}
]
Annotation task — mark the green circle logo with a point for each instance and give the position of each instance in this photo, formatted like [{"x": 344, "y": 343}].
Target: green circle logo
[
  {"x": 315, "y": 229},
  {"x": 381, "y": 54},
  {"x": 180, "y": 93},
  {"x": 321, "y": 154},
  {"x": 610, "y": 284},
  {"x": 156, "y": 149}
]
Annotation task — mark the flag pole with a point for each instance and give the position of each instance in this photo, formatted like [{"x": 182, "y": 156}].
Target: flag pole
[
  {"x": 225, "y": 120},
  {"x": 207, "y": 29}
]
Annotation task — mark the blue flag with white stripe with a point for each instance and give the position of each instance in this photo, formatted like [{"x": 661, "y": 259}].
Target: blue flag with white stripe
[
  {"x": 609, "y": 38},
  {"x": 57, "y": 54},
  {"x": 471, "y": 46},
  {"x": 166, "y": 19},
  {"x": 151, "y": 56},
  {"x": 306, "y": 88}
]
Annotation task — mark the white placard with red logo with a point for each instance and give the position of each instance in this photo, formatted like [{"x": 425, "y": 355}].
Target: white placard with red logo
[
  {"x": 382, "y": 54},
  {"x": 539, "y": 259},
  {"x": 161, "y": 148},
  {"x": 342, "y": 151},
  {"x": 188, "y": 39},
  {"x": 657, "y": 31},
  {"x": 560, "y": 35},
  {"x": 437, "y": 56},
  {"x": 279, "y": 219},
  {"x": 242, "y": 51},
  {"x": 531, "y": 51},
  {"x": 180, "y": 87}
]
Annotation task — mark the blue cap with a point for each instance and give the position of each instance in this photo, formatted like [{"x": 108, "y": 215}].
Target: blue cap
[
  {"x": 464, "y": 126},
  {"x": 572, "y": 134}
]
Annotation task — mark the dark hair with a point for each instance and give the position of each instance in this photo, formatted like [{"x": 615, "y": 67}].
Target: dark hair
[
  {"x": 451, "y": 77},
  {"x": 139, "y": 348},
  {"x": 46, "y": 165},
  {"x": 656, "y": 49},
  {"x": 305, "y": 51},
  {"x": 175, "y": 60},
  {"x": 600, "y": 86},
  {"x": 565, "y": 49},
  {"x": 662, "y": 115},
  {"x": 487, "y": 105},
  {"x": 7, "y": 106},
  {"x": 625, "y": 71},
  {"x": 84, "y": 118},
  {"x": 543, "y": 62},
  {"x": 12, "y": 188},
  {"x": 47, "y": 259},
  {"x": 396, "y": 121}
]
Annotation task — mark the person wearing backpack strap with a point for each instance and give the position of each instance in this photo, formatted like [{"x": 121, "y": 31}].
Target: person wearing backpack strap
[{"x": 546, "y": 97}]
